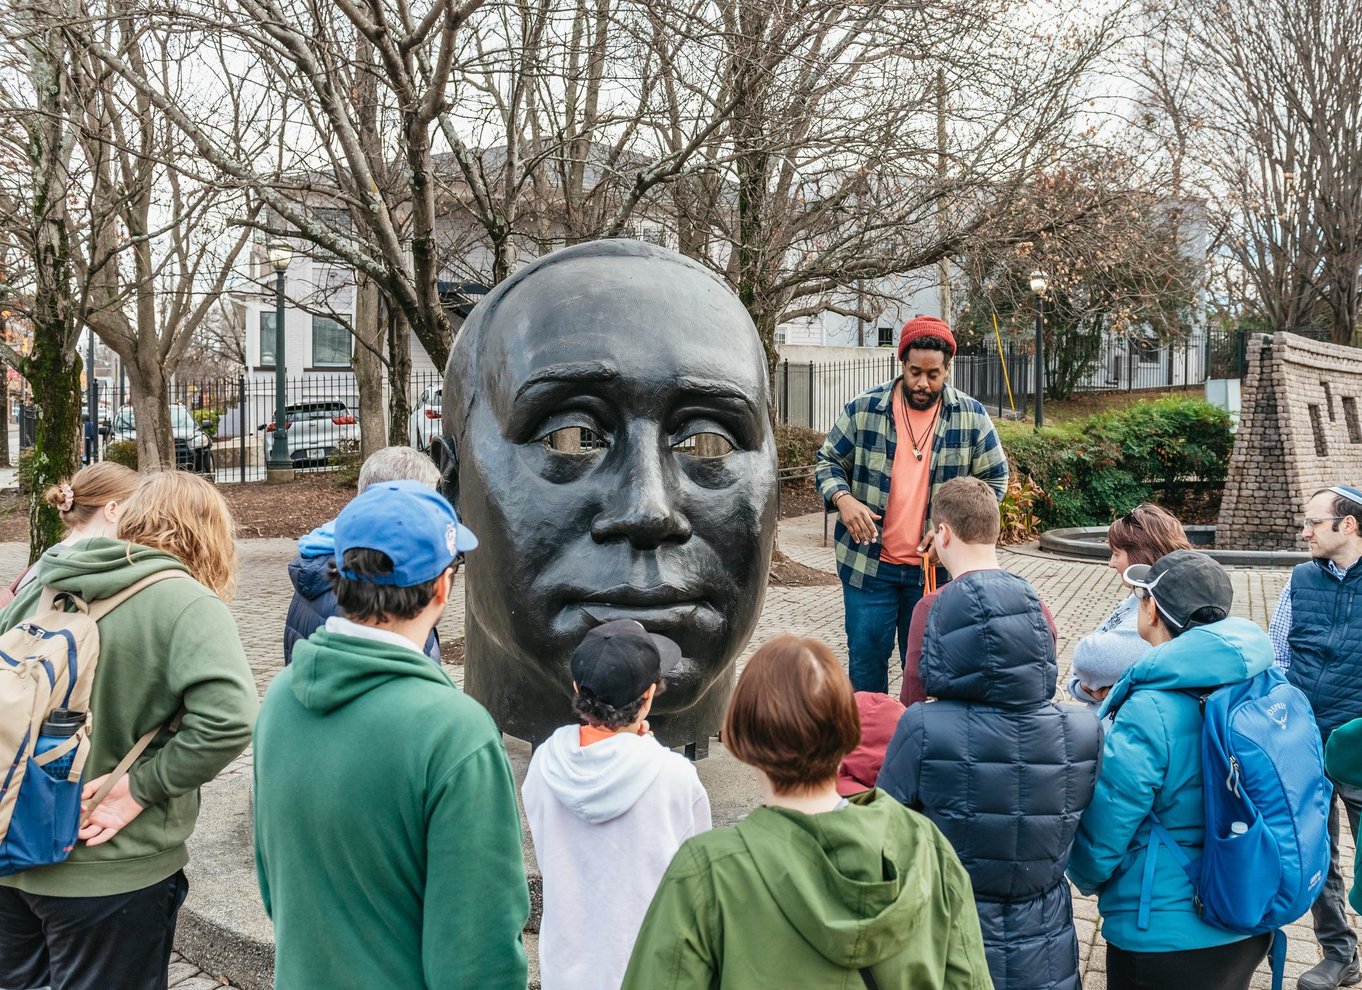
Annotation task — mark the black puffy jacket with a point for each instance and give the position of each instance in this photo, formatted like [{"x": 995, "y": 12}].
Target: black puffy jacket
[{"x": 1001, "y": 770}]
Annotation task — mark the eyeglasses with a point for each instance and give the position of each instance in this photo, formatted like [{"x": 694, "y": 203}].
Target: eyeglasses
[{"x": 1314, "y": 522}]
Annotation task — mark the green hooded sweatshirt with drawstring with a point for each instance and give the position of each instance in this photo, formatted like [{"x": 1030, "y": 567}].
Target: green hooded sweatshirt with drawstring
[
  {"x": 789, "y": 900},
  {"x": 170, "y": 646},
  {"x": 387, "y": 840}
]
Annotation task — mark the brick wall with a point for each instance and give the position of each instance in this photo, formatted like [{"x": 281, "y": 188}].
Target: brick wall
[{"x": 1300, "y": 429}]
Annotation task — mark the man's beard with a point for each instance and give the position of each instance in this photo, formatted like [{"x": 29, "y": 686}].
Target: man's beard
[{"x": 920, "y": 401}]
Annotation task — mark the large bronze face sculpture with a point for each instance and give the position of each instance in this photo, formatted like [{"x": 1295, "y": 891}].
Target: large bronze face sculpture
[{"x": 607, "y": 439}]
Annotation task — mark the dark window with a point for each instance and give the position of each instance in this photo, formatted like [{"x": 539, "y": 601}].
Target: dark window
[
  {"x": 267, "y": 339},
  {"x": 1317, "y": 428},
  {"x": 1350, "y": 417},
  {"x": 886, "y": 336},
  {"x": 330, "y": 343}
]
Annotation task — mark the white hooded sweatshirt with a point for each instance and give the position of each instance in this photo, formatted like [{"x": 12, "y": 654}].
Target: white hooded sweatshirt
[{"x": 606, "y": 820}]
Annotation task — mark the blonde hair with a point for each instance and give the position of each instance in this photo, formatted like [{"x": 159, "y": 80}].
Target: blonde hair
[
  {"x": 89, "y": 490},
  {"x": 185, "y": 516}
]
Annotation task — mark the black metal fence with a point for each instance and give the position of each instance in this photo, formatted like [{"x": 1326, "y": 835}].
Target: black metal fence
[
  {"x": 236, "y": 415},
  {"x": 812, "y": 393}
]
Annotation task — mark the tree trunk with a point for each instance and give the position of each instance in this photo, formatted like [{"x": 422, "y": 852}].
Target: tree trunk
[
  {"x": 52, "y": 368},
  {"x": 369, "y": 368},
  {"x": 151, "y": 413},
  {"x": 4, "y": 420},
  {"x": 54, "y": 372},
  {"x": 399, "y": 376}
]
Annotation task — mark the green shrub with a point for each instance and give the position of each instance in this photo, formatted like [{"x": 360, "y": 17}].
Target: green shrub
[
  {"x": 797, "y": 445},
  {"x": 207, "y": 420},
  {"x": 26, "y": 470},
  {"x": 346, "y": 460},
  {"x": 1089, "y": 473},
  {"x": 122, "y": 452}
]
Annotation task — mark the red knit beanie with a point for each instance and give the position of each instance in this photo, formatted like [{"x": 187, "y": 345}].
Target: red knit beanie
[{"x": 925, "y": 326}]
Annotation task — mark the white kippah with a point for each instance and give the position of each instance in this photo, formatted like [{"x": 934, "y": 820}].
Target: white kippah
[{"x": 1348, "y": 492}]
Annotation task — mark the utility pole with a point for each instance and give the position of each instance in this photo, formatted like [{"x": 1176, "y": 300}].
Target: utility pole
[{"x": 945, "y": 283}]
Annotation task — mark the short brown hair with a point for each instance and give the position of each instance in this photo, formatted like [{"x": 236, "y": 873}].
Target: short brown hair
[
  {"x": 181, "y": 514},
  {"x": 793, "y": 714},
  {"x": 1146, "y": 533},
  {"x": 970, "y": 508},
  {"x": 92, "y": 488}
]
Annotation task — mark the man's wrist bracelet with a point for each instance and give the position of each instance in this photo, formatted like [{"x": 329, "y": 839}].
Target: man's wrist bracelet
[{"x": 837, "y": 498}]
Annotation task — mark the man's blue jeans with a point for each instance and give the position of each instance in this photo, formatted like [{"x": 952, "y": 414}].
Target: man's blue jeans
[{"x": 879, "y": 608}]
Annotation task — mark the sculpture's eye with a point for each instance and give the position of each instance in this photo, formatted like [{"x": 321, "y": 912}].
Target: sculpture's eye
[
  {"x": 704, "y": 444},
  {"x": 575, "y": 440}
]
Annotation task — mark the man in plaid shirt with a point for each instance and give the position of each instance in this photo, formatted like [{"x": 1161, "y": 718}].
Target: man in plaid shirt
[{"x": 889, "y": 451}]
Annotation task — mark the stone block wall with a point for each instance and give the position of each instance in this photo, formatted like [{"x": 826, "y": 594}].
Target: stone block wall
[{"x": 1300, "y": 430}]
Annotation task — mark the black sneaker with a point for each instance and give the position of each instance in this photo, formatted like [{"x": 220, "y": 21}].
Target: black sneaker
[{"x": 1330, "y": 974}]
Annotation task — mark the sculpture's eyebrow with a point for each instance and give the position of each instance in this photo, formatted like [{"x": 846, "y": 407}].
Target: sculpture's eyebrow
[
  {"x": 593, "y": 372},
  {"x": 716, "y": 389},
  {"x": 570, "y": 374}
]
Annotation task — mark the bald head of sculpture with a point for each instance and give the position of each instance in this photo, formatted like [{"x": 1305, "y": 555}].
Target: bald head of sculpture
[{"x": 609, "y": 441}]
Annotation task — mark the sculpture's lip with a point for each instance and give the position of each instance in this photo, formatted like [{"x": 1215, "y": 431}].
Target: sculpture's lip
[
  {"x": 655, "y": 618},
  {"x": 625, "y": 596}
]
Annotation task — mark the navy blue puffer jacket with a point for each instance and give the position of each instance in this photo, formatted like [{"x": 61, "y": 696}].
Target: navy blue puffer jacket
[
  {"x": 1001, "y": 770},
  {"x": 313, "y": 600}
]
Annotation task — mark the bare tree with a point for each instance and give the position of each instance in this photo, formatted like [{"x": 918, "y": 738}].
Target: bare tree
[
  {"x": 839, "y": 162},
  {"x": 1124, "y": 259},
  {"x": 1264, "y": 99},
  {"x": 155, "y": 254},
  {"x": 39, "y": 142}
]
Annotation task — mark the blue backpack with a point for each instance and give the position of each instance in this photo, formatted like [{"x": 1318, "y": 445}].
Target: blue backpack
[{"x": 1266, "y": 849}]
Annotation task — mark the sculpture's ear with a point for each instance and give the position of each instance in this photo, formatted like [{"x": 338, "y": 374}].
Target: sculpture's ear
[{"x": 445, "y": 454}]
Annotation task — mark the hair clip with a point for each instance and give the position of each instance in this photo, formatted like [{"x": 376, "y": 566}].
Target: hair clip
[{"x": 68, "y": 496}]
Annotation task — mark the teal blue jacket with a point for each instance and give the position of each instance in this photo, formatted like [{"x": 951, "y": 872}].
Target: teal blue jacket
[{"x": 1151, "y": 762}]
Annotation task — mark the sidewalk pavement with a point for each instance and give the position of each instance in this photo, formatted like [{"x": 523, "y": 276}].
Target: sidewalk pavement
[{"x": 1079, "y": 594}]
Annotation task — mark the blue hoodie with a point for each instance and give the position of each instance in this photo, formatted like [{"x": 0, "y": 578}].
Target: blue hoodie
[
  {"x": 313, "y": 600},
  {"x": 1151, "y": 761}
]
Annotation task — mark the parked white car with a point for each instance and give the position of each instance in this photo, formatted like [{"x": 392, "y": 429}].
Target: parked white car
[
  {"x": 314, "y": 428},
  {"x": 193, "y": 447},
  {"x": 424, "y": 422}
]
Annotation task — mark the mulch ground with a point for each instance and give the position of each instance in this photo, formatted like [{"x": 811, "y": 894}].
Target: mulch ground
[{"x": 287, "y": 510}]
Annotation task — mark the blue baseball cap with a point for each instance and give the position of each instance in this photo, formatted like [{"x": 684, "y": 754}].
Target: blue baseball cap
[{"x": 414, "y": 525}]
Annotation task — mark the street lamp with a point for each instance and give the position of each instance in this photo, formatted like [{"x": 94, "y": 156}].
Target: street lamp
[
  {"x": 1038, "y": 285},
  {"x": 278, "y": 464}
]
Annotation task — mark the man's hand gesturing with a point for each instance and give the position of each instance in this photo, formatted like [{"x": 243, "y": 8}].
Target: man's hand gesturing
[{"x": 858, "y": 519}]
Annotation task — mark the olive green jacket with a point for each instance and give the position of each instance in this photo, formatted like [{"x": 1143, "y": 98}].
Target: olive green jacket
[
  {"x": 796, "y": 901},
  {"x": 171, "y": 647}
]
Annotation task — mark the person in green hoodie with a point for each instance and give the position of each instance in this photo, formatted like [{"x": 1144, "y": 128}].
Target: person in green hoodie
[
  {"x": 387, "y": 839},
  {"x": 105, "y": 917},
  {"x": 811, "y": 890},
  {"x": 1343, "y": 761}
]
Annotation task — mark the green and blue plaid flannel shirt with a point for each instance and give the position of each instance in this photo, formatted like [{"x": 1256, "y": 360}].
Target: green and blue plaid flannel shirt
[{"x": 858, "y": 456}]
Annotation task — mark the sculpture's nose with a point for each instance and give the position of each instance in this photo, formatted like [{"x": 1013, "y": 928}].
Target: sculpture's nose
[{"x": 644, "y": 508}]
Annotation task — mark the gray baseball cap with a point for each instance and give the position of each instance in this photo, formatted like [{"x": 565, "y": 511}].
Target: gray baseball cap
[{"x": 1181, "y": 583}]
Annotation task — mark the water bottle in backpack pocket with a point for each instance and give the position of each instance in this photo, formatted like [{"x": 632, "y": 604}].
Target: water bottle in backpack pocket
[{"x": 46, "y": 815}]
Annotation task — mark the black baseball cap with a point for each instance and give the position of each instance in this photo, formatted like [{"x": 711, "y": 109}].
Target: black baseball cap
[
  {"x": 1182, "y": 582},
  {"x": 618, "y": 661}
]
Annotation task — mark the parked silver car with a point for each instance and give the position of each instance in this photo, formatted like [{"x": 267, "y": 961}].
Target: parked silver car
[
  {"x": 314, "y": 428},
  {"x": 193, "y": 447},
  {"x": 424, "y": 421}
]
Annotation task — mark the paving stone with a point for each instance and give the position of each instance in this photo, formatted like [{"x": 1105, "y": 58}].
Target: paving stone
[{"x": 180, "y": 970}]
